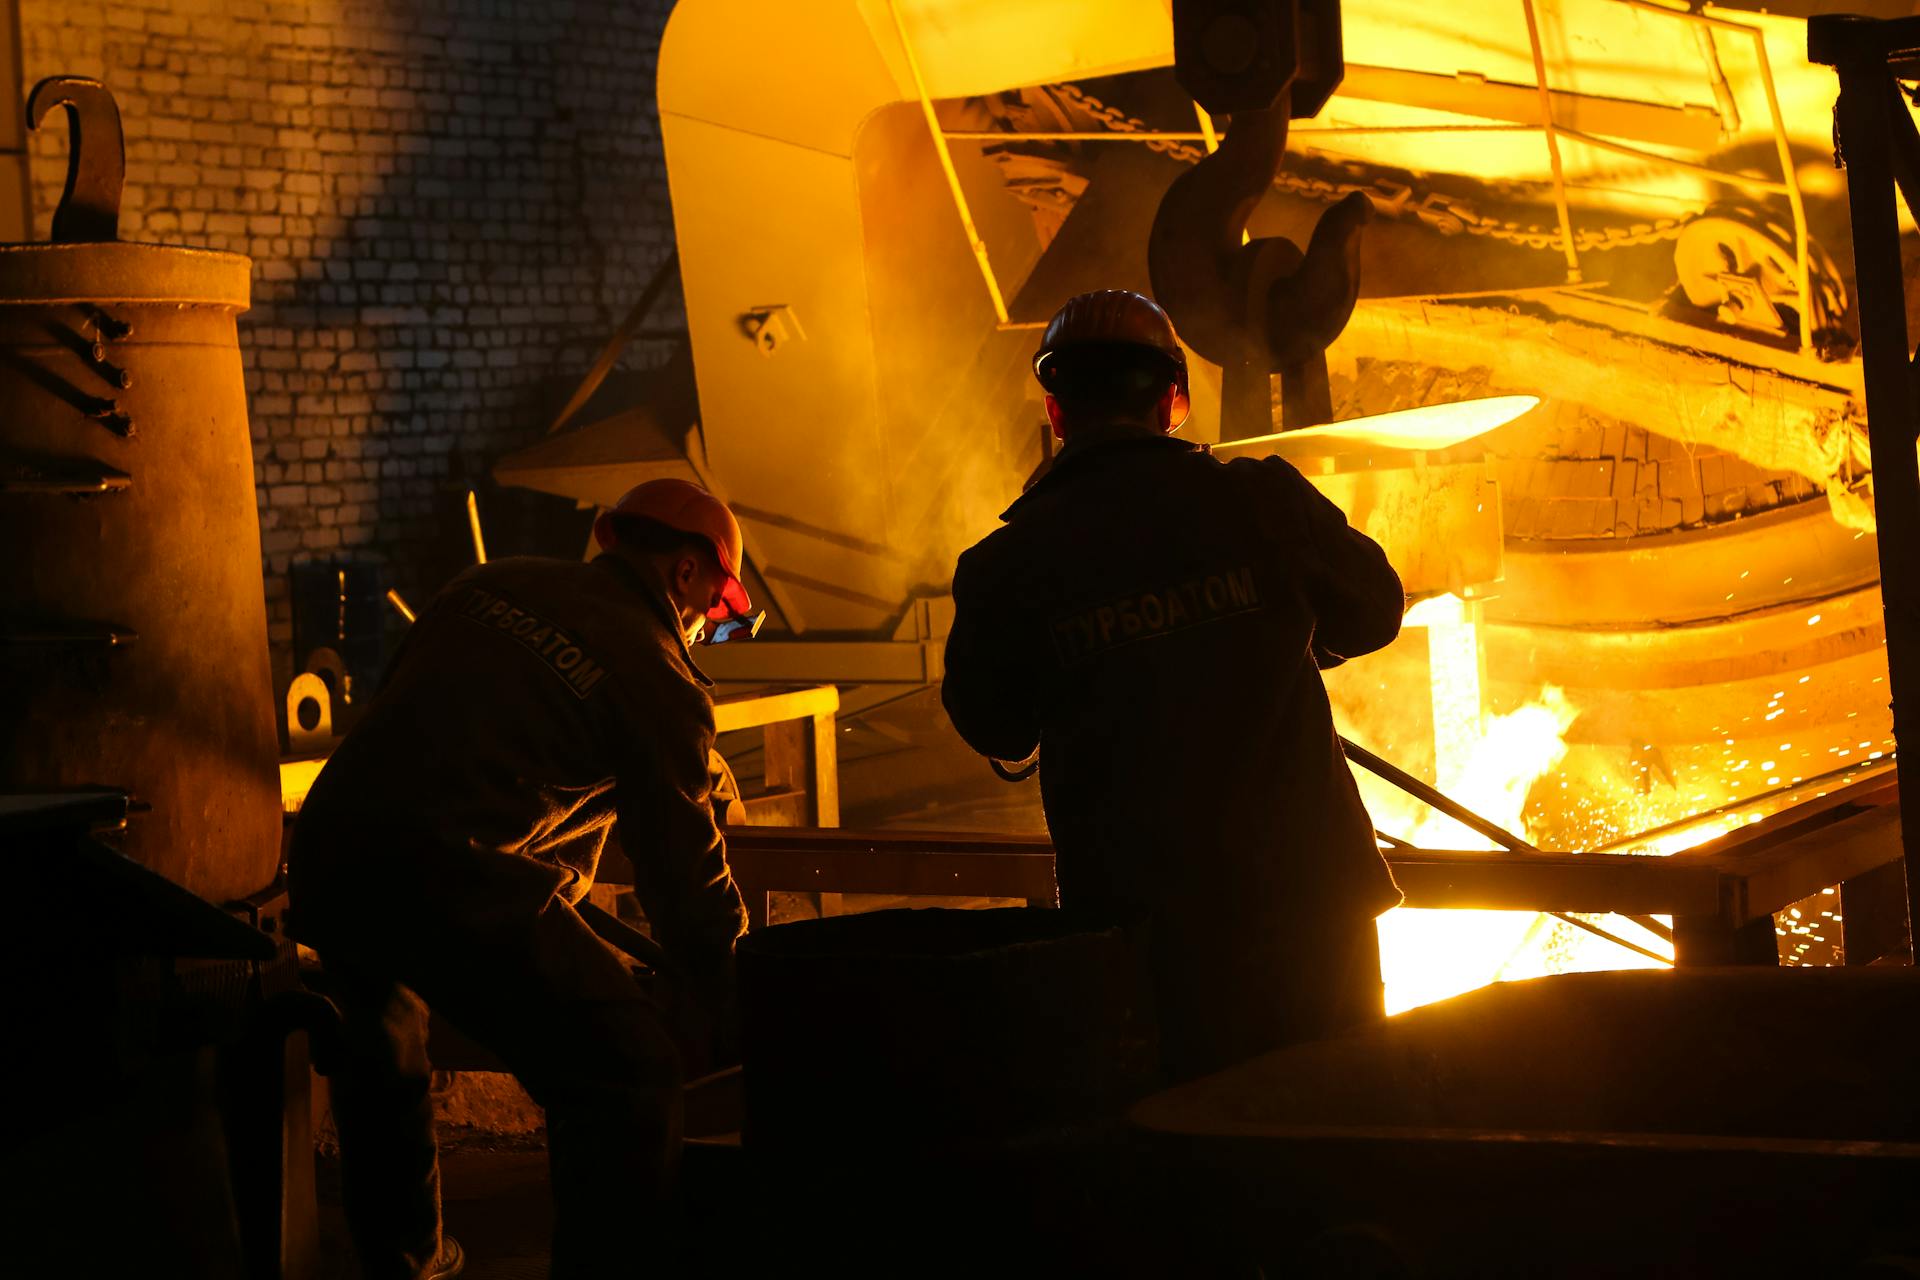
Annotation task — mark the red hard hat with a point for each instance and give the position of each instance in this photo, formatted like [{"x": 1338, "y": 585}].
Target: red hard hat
[{"x": 687, "y": 507}]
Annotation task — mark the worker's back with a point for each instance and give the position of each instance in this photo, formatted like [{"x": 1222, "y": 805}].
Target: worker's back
[
  {"x": 439, "y": 859},
  {"x": 519, "y": 699},
  {"x": 1153, "y": 615}
]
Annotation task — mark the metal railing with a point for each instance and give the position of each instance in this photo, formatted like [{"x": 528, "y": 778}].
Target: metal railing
[{"x": 1788, "y": 186}]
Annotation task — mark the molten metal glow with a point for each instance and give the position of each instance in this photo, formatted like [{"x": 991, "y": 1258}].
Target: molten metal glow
[
  {"x": 1488, "y": 764},
  {"x": 1430, "y": 955},
  {"x": 1433, "y": 955},
  {"x": 1428, "y": 428},
  {"x": 1505, "y": 757}
]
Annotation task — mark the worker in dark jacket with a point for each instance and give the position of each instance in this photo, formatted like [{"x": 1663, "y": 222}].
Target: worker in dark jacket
[
  {"x": 1154, "y": 621},
  {"x": 439, "y": 857}
]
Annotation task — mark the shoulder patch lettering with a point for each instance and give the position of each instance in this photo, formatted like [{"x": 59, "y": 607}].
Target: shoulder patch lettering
[{"x": 563, "y": 656}]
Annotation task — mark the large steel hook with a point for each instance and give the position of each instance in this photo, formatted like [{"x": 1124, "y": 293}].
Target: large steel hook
[
  {"x": 96, "y": 157},
  {"x": 1263, "y": 307}
]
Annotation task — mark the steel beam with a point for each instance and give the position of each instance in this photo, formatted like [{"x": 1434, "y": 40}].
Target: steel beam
[
  {"x": 1875, "y": 133},
  {"x": 1722, "y": 896},
  {"x": 1694, "y": 129}
]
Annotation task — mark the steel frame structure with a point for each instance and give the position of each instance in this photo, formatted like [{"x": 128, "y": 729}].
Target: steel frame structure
[
  {"x": 1549, "y": 128},
  {"x": 1879, "y": 147},
  {"x": 1721, "y": 896},
  {"x": 1788, "y": 186}
]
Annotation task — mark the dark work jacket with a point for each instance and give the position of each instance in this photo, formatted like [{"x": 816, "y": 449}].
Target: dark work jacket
[
  {"x": 1154, "y": 620},
  {"x": 534, "y": 704}
]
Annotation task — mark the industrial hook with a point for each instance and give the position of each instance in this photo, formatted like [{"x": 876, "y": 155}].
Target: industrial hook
[
  {"x": 96, "y": 157},
  {"x": 1259, "y": 308}
]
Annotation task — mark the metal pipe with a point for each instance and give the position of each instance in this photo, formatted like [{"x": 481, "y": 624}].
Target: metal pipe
[
  {"x": 1723, "y": 100},
  {"x": 1437, "y": 799},
  {"x": 1553, "y": 144},
  {"x": 1614, "y": 938},
  {"x": 978, "y": 245}
]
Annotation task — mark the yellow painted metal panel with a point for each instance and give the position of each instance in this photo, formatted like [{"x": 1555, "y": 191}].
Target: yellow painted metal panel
[
  {"x": 792, "y": 431},
  {"x": 806, "y": 74},
  {"x": 809, "y": 73},
  {"x": 968, "y": 47}
]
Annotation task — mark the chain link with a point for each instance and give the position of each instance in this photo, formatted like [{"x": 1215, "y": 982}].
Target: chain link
[{"x": 1448, "y": 215}]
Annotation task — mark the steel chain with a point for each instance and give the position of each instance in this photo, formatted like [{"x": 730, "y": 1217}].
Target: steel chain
[{"x": 1445, "y": 214}]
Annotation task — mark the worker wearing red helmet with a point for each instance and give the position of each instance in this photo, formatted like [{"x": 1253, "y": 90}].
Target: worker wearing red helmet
[
  {"x": 535, "y": 706},
  {"x": 1153, "y": 622}
]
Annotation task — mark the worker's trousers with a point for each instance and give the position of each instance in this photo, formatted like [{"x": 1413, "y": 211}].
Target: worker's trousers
[{"x": 513, "y": 967}]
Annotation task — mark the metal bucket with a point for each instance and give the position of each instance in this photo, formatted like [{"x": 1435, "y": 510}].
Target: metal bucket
[
  {"x": 1693, "y": 1122},
  {"x": 133, "y": 633}
]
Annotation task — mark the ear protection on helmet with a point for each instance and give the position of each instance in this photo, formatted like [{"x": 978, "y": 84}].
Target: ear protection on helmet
[{"x": 1182, "y": 405}]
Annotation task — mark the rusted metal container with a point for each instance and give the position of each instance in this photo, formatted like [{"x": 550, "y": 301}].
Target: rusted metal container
[
  {"x": 1732, "y": 1122},
  {"x": 133, "y": 634}
]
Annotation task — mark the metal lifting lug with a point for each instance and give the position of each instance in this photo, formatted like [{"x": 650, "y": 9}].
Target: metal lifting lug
[{"x": 96, "y": 157}]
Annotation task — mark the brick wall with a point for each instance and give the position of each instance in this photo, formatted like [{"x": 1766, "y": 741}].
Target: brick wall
[
  {"x": 1592, "y": 477},
  {"x": 1570, "y": 474},
  {"x": 449, "y": 205}
]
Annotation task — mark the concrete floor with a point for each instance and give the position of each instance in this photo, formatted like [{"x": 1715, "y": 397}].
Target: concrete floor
[
  {"x": 495, "y": 1200},
  {"x": 498, "y": 1205}
]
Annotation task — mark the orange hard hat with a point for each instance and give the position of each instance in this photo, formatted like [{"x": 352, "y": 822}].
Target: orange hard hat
[{"x": 679, "y": 504}]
